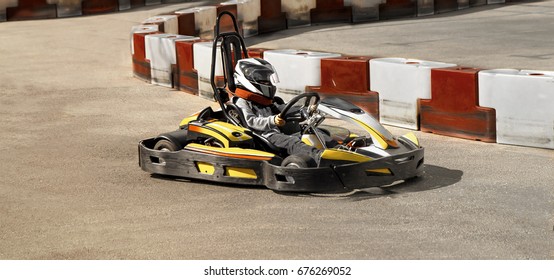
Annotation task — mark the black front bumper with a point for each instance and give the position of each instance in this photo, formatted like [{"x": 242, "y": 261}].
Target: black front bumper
[{"x": 183, "y": 163}]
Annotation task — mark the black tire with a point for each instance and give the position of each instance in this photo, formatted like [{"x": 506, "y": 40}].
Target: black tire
[
  {"x": 298, "y": 161},
  {"x": 165, "y": 145}
]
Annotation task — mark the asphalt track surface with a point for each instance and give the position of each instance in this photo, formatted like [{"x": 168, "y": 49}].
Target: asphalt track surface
[{"x": 72, "y": 115}]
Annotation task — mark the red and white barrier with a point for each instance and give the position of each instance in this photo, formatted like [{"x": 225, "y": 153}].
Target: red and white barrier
[
  {"x": 91, "y": 7},
  {"x": 68, "y": 8},
  {"x": 129, "y": 4},
  {"x": 474, "y": 3},
  {"x": 160, "y": 50},
  {"x": 400, "y": 82},
  {"x": 152, "y": 2},
  {"x": 124, "y": 5},
  {"x": 426, "y": 7},
  {"x": 202, "y": 54},
  {"x": 298, "y": 11},
  {"x": 391, "y": 9},
  {"x": 331, "y": 11},
  {"x": 443, "y": 6},
  {"x": 403, "y": 86},
  {"x": 6, "y": 4},
  {"x": 141, "y": 29},
  {"x": 165, "y": 23},
  {"x": 187, "y": 77},
  {"x": 524, "y": 104},
  {"x": 256, "y": 52},
  {"x": 272, "y": 17},
  {"x": 292, "y": 64},
  {"x": 453, "y": 109},
  {"x": 347, "y": 77},
  {"x": 463, "y": 4},
  {"x": 365, "y": 10},
  {"x": 204, "y": 20},
  {"x": 248, "y": 13},
  {"x": 31, "y": 9},
  {"x": 141, "y": 65}
]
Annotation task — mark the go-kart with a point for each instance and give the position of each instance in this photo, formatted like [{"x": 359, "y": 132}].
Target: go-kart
[{"x": 218, "y": 145}]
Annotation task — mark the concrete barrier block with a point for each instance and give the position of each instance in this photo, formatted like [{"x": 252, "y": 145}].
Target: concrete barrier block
[
  {"x": 524, "y": 104},
  {"x": 256, "y": 52},
  {"x": 185, "y": 24},
  {"x": 166, "y": 23},
  {"x": 67, "y": 8},
  {"x": 298, "y": 12},
  {"x": 149, "y": 29},
  {"x": 124, "y": 5},
  {"x": 31, "y": 9},
  {"x": 91, "y": 7},
  {"x": 248, "y": 13},
  {"x": 152, "y": 2},
  {"x": 392, "y": 9},
  {"x": 187, "y": 77},
  {"x": 204, "y": 18},
  {"x": 271, "y": 17},
  {"x": 202, "y": 55},
  {"x": 400, "y": 82},
  {"x": 130, "y": 4},
  {"x": 141, "y": 65},
  {"x": 473, "y": 3},
  {"x": 426, "y": 7},
  {"x": 453, "y": 109},
  {"x": 444, "y": 6},
  {"x": 365, "y": 10},
  {"x": 296, "y": 70},
  {"x": 347, "y": 77},
  {"x": 6, "y": 4},
  {"x": 463, "y": 4},
  {"x": 160, "y": 50},
  {"x": 226, "y": 23},
  {"x": 327, "y": 11}
]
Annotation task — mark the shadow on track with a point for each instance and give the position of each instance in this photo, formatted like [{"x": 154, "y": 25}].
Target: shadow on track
[{"x": 434, "y": 177}]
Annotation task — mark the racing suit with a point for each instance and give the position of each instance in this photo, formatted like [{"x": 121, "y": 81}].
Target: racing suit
[{"x": 261, "y": 119}]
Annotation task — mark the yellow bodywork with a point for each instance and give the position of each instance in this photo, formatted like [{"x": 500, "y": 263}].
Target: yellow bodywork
[
  {"x": 227, "y": 129},
  {"x": 231, "y": 152},
  {"x": 335, "y": 154},
  {"x": 205, "y": 167},
  {"x": 411, "y": 136},
  {"x": 186, "y": 121},
  {"x": 376, "y": 135},
  {"x": 221, "y": 131},
  {"x": 311, "y": 140},
  {"x": 240, "y": 172}
]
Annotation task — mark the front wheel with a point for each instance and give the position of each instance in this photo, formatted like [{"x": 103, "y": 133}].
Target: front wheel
[
  {"x": 165, "y": 145},
  {"x": 298, "y": 161}
]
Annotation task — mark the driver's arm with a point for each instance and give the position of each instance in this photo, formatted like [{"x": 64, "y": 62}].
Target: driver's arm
[
  {"x": 259, "y": 123},
  {"x": 280, "y": 106}
]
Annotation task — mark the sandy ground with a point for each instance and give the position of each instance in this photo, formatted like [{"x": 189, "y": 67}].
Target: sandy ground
[{"x": 72, "y": 114}]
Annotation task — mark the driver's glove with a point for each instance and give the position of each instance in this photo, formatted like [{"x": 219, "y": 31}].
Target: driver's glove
[
  {"x": 312, "y": 108},
  {"x": 278, "y": 120}
]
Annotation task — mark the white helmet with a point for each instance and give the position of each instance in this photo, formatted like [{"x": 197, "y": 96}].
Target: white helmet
[{"x": 256, "y": 75}]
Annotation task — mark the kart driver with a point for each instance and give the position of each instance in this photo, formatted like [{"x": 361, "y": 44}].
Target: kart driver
[{"x": 255, "y": 80}]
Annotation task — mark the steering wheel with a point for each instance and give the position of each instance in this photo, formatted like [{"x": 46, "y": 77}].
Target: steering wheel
[{"x": 301, "y": 115}]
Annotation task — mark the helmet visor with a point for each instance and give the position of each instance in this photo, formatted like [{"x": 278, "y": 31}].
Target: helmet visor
[{"x": 262, "y": 77}]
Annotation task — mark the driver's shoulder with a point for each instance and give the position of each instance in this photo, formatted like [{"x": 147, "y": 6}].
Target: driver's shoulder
[{"x": 243, "y": 103}]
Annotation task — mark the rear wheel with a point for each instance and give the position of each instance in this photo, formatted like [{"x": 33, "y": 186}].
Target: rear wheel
[
  {"x": 298, "y": 161},
  {"x": 165, "y": 145}
]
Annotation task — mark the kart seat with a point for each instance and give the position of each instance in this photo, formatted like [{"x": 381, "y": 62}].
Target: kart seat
[{"x": 235, "y": 112}]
